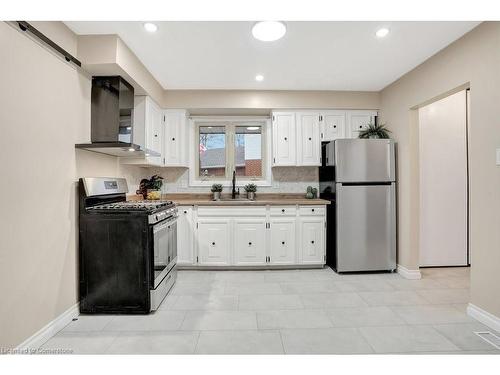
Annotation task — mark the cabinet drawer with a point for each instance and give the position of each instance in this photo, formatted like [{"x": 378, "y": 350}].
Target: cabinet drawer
[
  {"x": 312, "y": 210},
  {"x": 283, "y": 210},
  {"x": 231, "y": 211}
]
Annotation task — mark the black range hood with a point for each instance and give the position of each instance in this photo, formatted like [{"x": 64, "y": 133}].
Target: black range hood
[{"x": 112, "y": 119}]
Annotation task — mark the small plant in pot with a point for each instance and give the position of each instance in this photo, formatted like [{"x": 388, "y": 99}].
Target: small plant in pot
[
  {"x": 151, "y": 188},
  {"x": 216, "y": 190},
  {"x": 374, "y": 131},
  {"x": 251, "y": 189}
]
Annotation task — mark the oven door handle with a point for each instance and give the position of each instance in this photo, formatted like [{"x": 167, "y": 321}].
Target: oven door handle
[{"x": 164, "y": 224}]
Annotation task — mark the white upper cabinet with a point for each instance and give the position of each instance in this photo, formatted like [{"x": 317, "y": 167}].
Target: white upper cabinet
[
  {"x": 284, "y": 139},
  {"x": 308, "y": 138},
  {"x": 333, "y": 125},
  {"x": 176, "y": 134},
  {"x": 359, "y": 120}
]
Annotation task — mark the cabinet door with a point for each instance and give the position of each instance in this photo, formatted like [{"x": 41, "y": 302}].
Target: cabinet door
[
  {"x": 175, "y": 129},
  {"x": 312, "y": 240},
  {"x": 309, "y": 142},
  {"x": 185, "y": 233},
  {"x": 284, "y": 139},
  {"x": 282, "y": 233},
  {"x": 359, "y": 120},
  {"x": 249, "y": 241},
  {"x": 154, "y": 127},
  {"x": 333, "y": 125},
  {"x": 213, "y": 242}
]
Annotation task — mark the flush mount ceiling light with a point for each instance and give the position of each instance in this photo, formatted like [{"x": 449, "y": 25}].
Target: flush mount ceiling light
[
  {"x": 382, "y": 32},
  {"x": 268, "y": 31},
  {"x": 150, "y": 27},
  {"x": 259, "y": 77}
]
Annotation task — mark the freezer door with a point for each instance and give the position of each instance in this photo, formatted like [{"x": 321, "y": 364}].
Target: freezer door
[
  {"x": 366, "y": 227},
  {"x": 364, "y": 160}
]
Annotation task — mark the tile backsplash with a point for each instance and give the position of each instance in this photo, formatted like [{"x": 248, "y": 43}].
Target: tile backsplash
[{"x": 285, "y": 179}]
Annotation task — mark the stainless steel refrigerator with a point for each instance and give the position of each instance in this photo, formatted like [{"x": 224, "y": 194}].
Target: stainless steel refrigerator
[{"x": 364, "y": 189}]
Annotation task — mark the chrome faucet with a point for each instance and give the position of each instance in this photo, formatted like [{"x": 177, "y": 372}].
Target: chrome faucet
[{"x": 233, "y": 193}]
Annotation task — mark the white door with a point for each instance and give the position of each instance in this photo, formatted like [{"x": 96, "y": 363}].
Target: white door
[
  {"x": 312, "y": 240},
  {"x": 249, "y": 241},
  {"x": 443, "y": 182},
  {"x": 308, "y": 136},
  {"x": 359, "y": 120},
  {"x": 185, "y": 232},
  {"x": 284, "y": 139},
  {"x": 174, "y": 130},
  {"x": 154, "y": 127},
  {"x": 213, "y": 242},
  {"x": 333, "y": 125},
  {"x": 282, "y": 242}
]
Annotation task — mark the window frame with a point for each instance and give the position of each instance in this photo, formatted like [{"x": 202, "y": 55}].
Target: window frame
[{"x": 230, "y": 123}]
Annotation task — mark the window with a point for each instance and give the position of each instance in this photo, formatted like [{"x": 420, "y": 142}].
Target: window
[{"x": 223, "y": 147}]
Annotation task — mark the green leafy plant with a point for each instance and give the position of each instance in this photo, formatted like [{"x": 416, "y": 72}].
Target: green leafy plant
[
  {"x": 153, "y": 183},
  {"x": 375, "y": 131},
  {"x": 216, "y": 188},
  {"x": 251, "y": 188}
]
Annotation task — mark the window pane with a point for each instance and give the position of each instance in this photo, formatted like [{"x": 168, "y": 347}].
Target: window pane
[
  {"x": 248, "y": 151},
  {"x": 212, "y": 151}
]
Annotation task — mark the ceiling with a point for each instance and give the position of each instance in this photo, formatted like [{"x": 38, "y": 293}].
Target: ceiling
[{"x": 311, "y": 56}]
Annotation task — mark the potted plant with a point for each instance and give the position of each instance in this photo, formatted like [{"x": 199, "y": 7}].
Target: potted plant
[
  {"x": 216, "y": 190},
  {"x": 151, "y": 188},
  {"x": 374, "y": 131},
  {"x": 251, "y": 189}
]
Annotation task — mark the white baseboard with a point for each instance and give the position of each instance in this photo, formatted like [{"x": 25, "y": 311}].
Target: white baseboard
[
  {"x": 409, "y": 274},
  {"x": 484, "y": 317},
  {"x": 49, "y": 330}
]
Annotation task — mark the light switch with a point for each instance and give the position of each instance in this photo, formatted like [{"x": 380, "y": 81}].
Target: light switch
[{"x": 498, "y": 156}]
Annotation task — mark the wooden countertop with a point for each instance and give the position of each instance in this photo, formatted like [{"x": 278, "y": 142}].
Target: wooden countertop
[{"x": 261, "y": 200}]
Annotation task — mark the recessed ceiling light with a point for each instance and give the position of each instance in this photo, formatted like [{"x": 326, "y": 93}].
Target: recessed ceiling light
[
  {"x": 381, "y": 33},
  {"x": 150, "y": 27},
  {"x": 259, "y": 77},
  {"x": 268, "y": 31}
]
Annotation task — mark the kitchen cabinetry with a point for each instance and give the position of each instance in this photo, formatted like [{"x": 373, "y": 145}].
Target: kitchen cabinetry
[
  {"x": 185, "y": 236},
  {"x": 176, "y": 143},
  {"x": 213, "y": 240},
  {"x": 308, "y": 139},
  {"x": 284, "y": 139},
  {"x": 312, "y": 240},
  {"x": 148, "y": 131},
  {"x": 249, "y": 241},
  {"x": 359, "y": 120},
  {"x": 266, "y": 236},
  {"x": 333, "y": 125},
  {"x": 282, "y": 249}
]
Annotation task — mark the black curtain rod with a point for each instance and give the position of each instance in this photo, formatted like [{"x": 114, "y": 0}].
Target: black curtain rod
[{"x": 25, "y": 26}]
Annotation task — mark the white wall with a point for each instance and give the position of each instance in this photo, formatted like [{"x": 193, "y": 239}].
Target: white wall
[{"x": 443, "y": 181}]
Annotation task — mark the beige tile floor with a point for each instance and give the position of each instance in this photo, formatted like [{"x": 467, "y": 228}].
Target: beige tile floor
[{"x": 292, "y": 312}]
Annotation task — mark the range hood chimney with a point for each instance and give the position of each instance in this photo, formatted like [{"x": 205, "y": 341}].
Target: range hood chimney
[{"x": 112, "y": 113}]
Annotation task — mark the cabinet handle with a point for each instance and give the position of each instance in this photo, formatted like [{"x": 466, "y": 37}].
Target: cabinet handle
[
  {"x": 286, "y": 138},
  {"x": 250, "y": 244},
  {"x": 173, "y": 139},
  {"x": 360, "y": 126},
  {"x": 312, "y": 242},
  {"x": 310, "y": 138},
  {"x": 334, "y": 126},
  {"x": 213, "y": 243},
  {"x": 282, "y": 242},
  {"x": 312, "y": 209},
  {"x": 185, "y": 212},
  {"x": 283, "y": 210},
  {"x": 156, "y": 135}
]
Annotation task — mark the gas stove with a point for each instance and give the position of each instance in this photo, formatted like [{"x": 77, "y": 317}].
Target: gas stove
[{"x": 134, "y": 206}]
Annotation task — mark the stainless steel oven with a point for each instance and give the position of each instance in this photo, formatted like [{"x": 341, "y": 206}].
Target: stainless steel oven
[{"x": 164, "y": 248}]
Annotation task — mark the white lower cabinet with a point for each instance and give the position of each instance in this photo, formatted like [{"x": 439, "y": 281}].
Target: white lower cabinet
[
  {"x": 213, "y": 240},
  {"x": 185, "y": 235},
  {"x": 282, "y": 236},
  {"x": 312, "y": 240},
  {"x": 249, "y": 241},
  {"x": 282, "y": 248}
]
